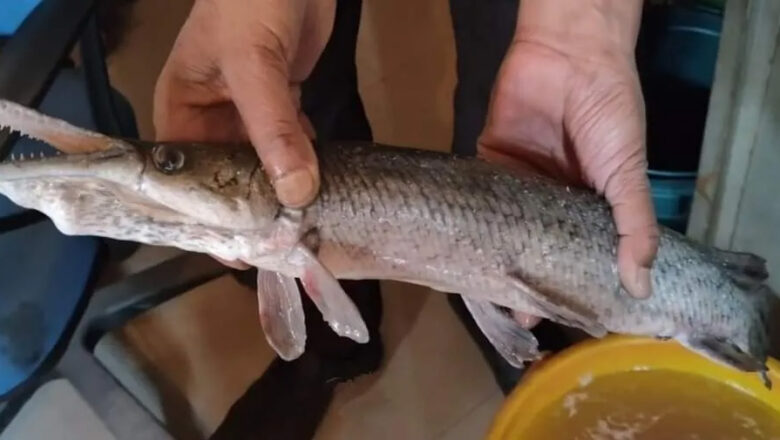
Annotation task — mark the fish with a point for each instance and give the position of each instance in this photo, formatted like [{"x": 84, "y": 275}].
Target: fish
[{"x": 504, "y": 240}]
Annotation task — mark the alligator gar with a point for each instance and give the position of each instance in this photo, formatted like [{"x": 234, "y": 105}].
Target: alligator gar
[{"x": 502, "y": 239}]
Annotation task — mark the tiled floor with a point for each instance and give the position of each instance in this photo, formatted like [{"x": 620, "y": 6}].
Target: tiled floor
[
  {"x": 56, "y": 412},
  {"x": 194, "y": 355}
]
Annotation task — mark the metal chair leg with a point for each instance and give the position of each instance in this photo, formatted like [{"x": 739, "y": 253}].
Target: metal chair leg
[{"x": 110, "y": 308}]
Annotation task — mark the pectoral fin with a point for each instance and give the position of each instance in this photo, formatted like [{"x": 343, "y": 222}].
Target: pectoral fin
[
  {"x": 329, "y": 297},
  {"x": 281, "y": 313},
  {"x": 516, "y": 344},
  {"x": 558, "y": 307}
]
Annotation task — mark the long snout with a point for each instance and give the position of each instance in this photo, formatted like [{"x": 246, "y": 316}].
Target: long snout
[
  {"x": 116, "y": 164},
  {"x": 59, "y": 134}
]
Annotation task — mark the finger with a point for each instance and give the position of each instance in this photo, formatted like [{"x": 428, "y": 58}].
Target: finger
[
  {"x": 258, "y": 82},
  {"x": 189, "y": 108},
  {"x": 629, "y": 194},
  {"x": 188, "y": 105},
  {"x": 308, "y": 127},
  {"x": 179, "y": 121},
  {"x": 525, "y": 320}
]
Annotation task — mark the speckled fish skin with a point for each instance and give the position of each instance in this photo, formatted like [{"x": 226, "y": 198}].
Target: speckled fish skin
[
  {"x": 458, "y": 225},
  {"x": 461, "y": 225}
]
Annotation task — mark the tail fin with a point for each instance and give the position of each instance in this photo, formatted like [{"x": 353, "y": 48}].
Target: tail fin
[
  {"x": 751, "y": 354},
  {"x": 766, "y": 303}
]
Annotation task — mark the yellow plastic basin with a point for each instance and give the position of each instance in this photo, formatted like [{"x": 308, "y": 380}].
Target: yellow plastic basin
[{"x": 639, "y": 389}]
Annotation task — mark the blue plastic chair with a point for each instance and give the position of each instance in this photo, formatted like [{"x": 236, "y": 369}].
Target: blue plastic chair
[
  {"x": 51, "y": 317},
  {"x": 13, "y": 13},
  {"x": 45, "y": 275}
]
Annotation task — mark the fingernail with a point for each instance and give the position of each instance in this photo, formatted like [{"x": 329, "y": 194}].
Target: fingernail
[
  {"x": 642, "y": 285},
  {"x": 295, "y": 188}
]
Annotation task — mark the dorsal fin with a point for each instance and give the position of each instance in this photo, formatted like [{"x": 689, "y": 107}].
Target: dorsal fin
[{"x": 746, "y": 269}]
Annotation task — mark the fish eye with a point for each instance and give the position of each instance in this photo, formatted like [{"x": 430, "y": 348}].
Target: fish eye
[{"x": 168, "y": 159}]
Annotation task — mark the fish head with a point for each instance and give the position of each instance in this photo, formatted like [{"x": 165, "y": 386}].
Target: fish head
[
  {"x": 111, "y": 187},
  {"x": 222, "y": 185}
]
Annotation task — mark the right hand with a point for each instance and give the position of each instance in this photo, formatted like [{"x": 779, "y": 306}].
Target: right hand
[
  {"x": 234, "y": 74},
  {"x": 568, "y": 102}
]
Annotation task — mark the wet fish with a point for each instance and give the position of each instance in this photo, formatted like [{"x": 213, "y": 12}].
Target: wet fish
[{"x": 503, "y": 240}]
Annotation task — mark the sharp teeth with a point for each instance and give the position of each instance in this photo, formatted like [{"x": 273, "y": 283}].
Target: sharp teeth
[
  {"x": 13, "y": 157},
  {"x": 40, "y": 154}
]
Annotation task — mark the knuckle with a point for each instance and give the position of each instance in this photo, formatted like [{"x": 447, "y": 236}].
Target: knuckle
[
  {"x": 270, "y": 53},
  {"x": 627, "y": 179},
  {"x": 265, "y": 48},
  {"x": 283, "y": 136}
]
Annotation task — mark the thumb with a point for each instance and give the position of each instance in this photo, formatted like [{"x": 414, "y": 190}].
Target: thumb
[
  {"x": 628, "y": 191},
  {"x": 610, "y": 125},
  {"x": 268, "y": 104}
]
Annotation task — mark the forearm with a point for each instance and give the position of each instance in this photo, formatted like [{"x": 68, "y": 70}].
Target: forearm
[{"x": 587, "y": 27}]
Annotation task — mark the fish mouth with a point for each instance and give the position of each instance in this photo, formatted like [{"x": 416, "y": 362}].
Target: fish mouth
[
  {"x": 80, "y": 152},
  {"x": 59, "y": 134},
  {"x": 120, "y": 164},
  {"x": 87, "y": 172},
  {"x": 97, "y": 193}
]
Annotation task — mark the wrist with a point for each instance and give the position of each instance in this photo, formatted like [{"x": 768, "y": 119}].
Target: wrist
[{"x": 593, "y": 28}]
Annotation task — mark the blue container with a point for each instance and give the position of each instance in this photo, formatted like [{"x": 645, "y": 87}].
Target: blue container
[
  {"x": 672, "y": 195},
  {"x": 676, "y": 56}
]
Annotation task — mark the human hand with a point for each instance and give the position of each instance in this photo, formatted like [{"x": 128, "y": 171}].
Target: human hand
[
  {"x": 567, "y": 101},
  {"x": 234, "y": 74}
]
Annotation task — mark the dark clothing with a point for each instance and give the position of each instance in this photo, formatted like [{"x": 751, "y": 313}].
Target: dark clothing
[
  {"x": 291, "y": 398},
  {"x": 483, "y": 31}
]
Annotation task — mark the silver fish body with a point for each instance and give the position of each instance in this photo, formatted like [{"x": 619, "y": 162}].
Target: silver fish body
[
  {"x": 501, "y": 239},
  {"x": 525, "y": 243}
]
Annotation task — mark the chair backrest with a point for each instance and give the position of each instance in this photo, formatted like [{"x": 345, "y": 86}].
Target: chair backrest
[
  {"x": 35, "y": 52},
  {"x": 13, "y": 13},
  {"x": 46, "y": 278}
]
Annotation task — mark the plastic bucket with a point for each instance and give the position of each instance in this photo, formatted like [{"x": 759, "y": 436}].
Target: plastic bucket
[{"x": 639, "y": 389}]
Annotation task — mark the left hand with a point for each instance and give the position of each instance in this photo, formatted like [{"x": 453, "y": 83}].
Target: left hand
[{"x": 235, "y": 74}]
